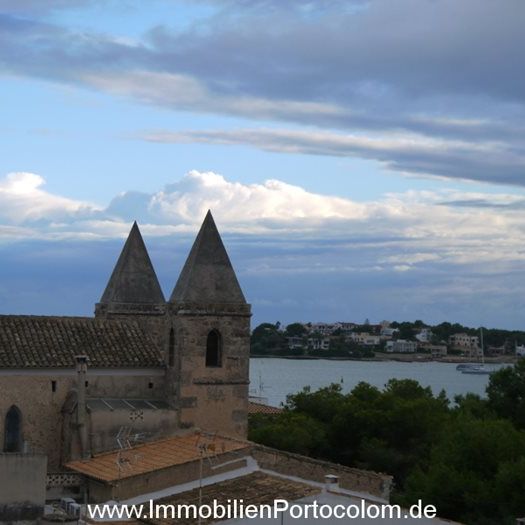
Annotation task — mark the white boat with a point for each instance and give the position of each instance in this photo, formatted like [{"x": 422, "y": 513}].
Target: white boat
[
  {"x": 466, "y": 366},
  {"x": 256, "y": 394},
  {"x": 478, "y": 369}
]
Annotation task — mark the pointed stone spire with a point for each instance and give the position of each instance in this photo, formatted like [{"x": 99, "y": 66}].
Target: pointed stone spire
[
  {"x": 208, "y": 275},
  {"x": 133, "y": 285}
]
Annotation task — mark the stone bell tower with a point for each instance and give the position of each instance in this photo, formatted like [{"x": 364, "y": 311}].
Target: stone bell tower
[
  {"x": 133, "y": 291},
  {"x": 210, "y": 339}
]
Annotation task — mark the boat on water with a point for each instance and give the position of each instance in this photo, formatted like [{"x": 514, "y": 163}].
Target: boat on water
[
  {"x": 478, "y": 368},
  {"x": 466, "y": 366},
  {"x": 256, "y": 395}
]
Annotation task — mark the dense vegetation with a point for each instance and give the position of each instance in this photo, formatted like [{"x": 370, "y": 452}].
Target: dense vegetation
[
  {"x": 466, "y": 458},
  {"x": 272, "y": 339},
  {"x": 269, "y": 339}
]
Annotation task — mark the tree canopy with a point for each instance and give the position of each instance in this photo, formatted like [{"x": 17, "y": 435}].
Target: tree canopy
[{"x": 467, "y": 458}]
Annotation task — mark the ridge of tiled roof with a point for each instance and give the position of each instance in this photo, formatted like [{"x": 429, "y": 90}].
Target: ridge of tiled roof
[
  {"x": 261, "y": 408},
  {"x": 33, "y": 341}
]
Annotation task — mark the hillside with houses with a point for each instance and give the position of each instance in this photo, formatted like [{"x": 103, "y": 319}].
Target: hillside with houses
[{"x": 387, "y": 339}]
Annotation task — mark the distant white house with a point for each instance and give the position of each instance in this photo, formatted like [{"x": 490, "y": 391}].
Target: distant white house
[
  {"x": 424, "y": 335},
  {"x": 295, "y": 343},
  {"x": 346, "y": 327},
  {"x": 387, "y": 332},
  {"x": 401, "y": 346},
  {"x": 365, "y": 339},
  {"x": 436, "y": 350},
  {"x": 463, "y": 341},
  {"x": 520, "y": 350},
  {"x": 468, "y": 345},
  {"x": 324, "y": 328},
  {"x": 319, "y": 343}
]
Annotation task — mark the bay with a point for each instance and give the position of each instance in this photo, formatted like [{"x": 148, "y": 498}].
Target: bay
[{"x": 275, "y": 378}]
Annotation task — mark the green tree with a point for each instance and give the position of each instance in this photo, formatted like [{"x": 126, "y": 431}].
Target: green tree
[
  {"x": 406, "y": 330},
  {"x": 509, "y": 488},
  {"x": 506, "y": 393},
  {"x": 267, "y": 339},
  {"x": 290, "y": 431},
  {"x": 468, "y": 460},
  {"x": 322, "y": 404},
  {"x": 474, "y": 406},
  {"x": 295, "y": 330},
  {"x": 461, "y": 478}
]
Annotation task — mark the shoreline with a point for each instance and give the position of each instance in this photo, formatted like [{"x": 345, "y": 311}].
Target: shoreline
[{"x": 397, "y": 358}]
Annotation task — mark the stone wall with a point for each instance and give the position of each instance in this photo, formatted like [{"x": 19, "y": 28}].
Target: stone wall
[
  {"x": 22, "y": 486},
  {"x": 150, "y": 424},
  {"x": 308, "y": 468},
  {"x": 213, "y": 398},
  {"x": 41, "y": 406}
]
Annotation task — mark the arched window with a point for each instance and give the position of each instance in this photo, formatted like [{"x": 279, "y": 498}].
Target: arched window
[
  {"x": 213, "y": 349},
  {"x": 13, "y": 430},
  {"x": 171, "y": 349}
]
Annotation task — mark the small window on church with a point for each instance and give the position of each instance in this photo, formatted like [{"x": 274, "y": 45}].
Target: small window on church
[
  {"x": 213, "y": 349},
  {"x": 13, "y": 430},
  {"x": 171, "y": 349},
  {"x": 53, "y": 386}
]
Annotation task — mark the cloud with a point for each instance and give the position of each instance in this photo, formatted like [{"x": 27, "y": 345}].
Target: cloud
[
  {"x": 33, "y": 7},
  {"x": 412, "y": 48},
  {"x": 272, "y": 202},
  {"x": 23, "y": 202},
  {"x": 450, "y": 73},
  {"x": 298, "y": 254},
  {"x": 414, "y": 154},
  {"x": 419, "y": 227}
]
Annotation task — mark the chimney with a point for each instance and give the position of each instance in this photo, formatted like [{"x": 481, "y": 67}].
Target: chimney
[
  {"x": 331, "y": 483},
  {"x": 81, "y": 367}
]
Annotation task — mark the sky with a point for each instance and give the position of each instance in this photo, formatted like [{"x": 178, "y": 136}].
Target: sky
[{"x": 361, "y": 158}]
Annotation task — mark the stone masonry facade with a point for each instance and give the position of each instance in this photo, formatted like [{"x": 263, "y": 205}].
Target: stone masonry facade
[{"x": 184, "y": 361}]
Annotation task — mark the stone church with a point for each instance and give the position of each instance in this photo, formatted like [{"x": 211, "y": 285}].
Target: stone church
[{"x": 72, "y": 387}]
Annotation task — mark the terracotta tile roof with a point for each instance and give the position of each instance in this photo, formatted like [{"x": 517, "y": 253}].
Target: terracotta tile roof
[
  {"x": 153, "y": 456},
  {"x": 260, "y": 408},
  {"x": 52, "y": 342},
  {"x": 257, "y": 488}
]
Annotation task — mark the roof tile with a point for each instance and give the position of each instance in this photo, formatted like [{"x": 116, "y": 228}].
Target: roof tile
[
  {"x": 53, "y": 342},
  {"x": 152, "y": 456}
]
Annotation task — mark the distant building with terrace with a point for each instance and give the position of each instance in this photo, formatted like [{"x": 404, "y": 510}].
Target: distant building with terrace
[{"x": 401, "y": 346}]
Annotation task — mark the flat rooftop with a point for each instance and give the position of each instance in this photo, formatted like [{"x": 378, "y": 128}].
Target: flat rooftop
[{"x": 141, "y": 459}]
